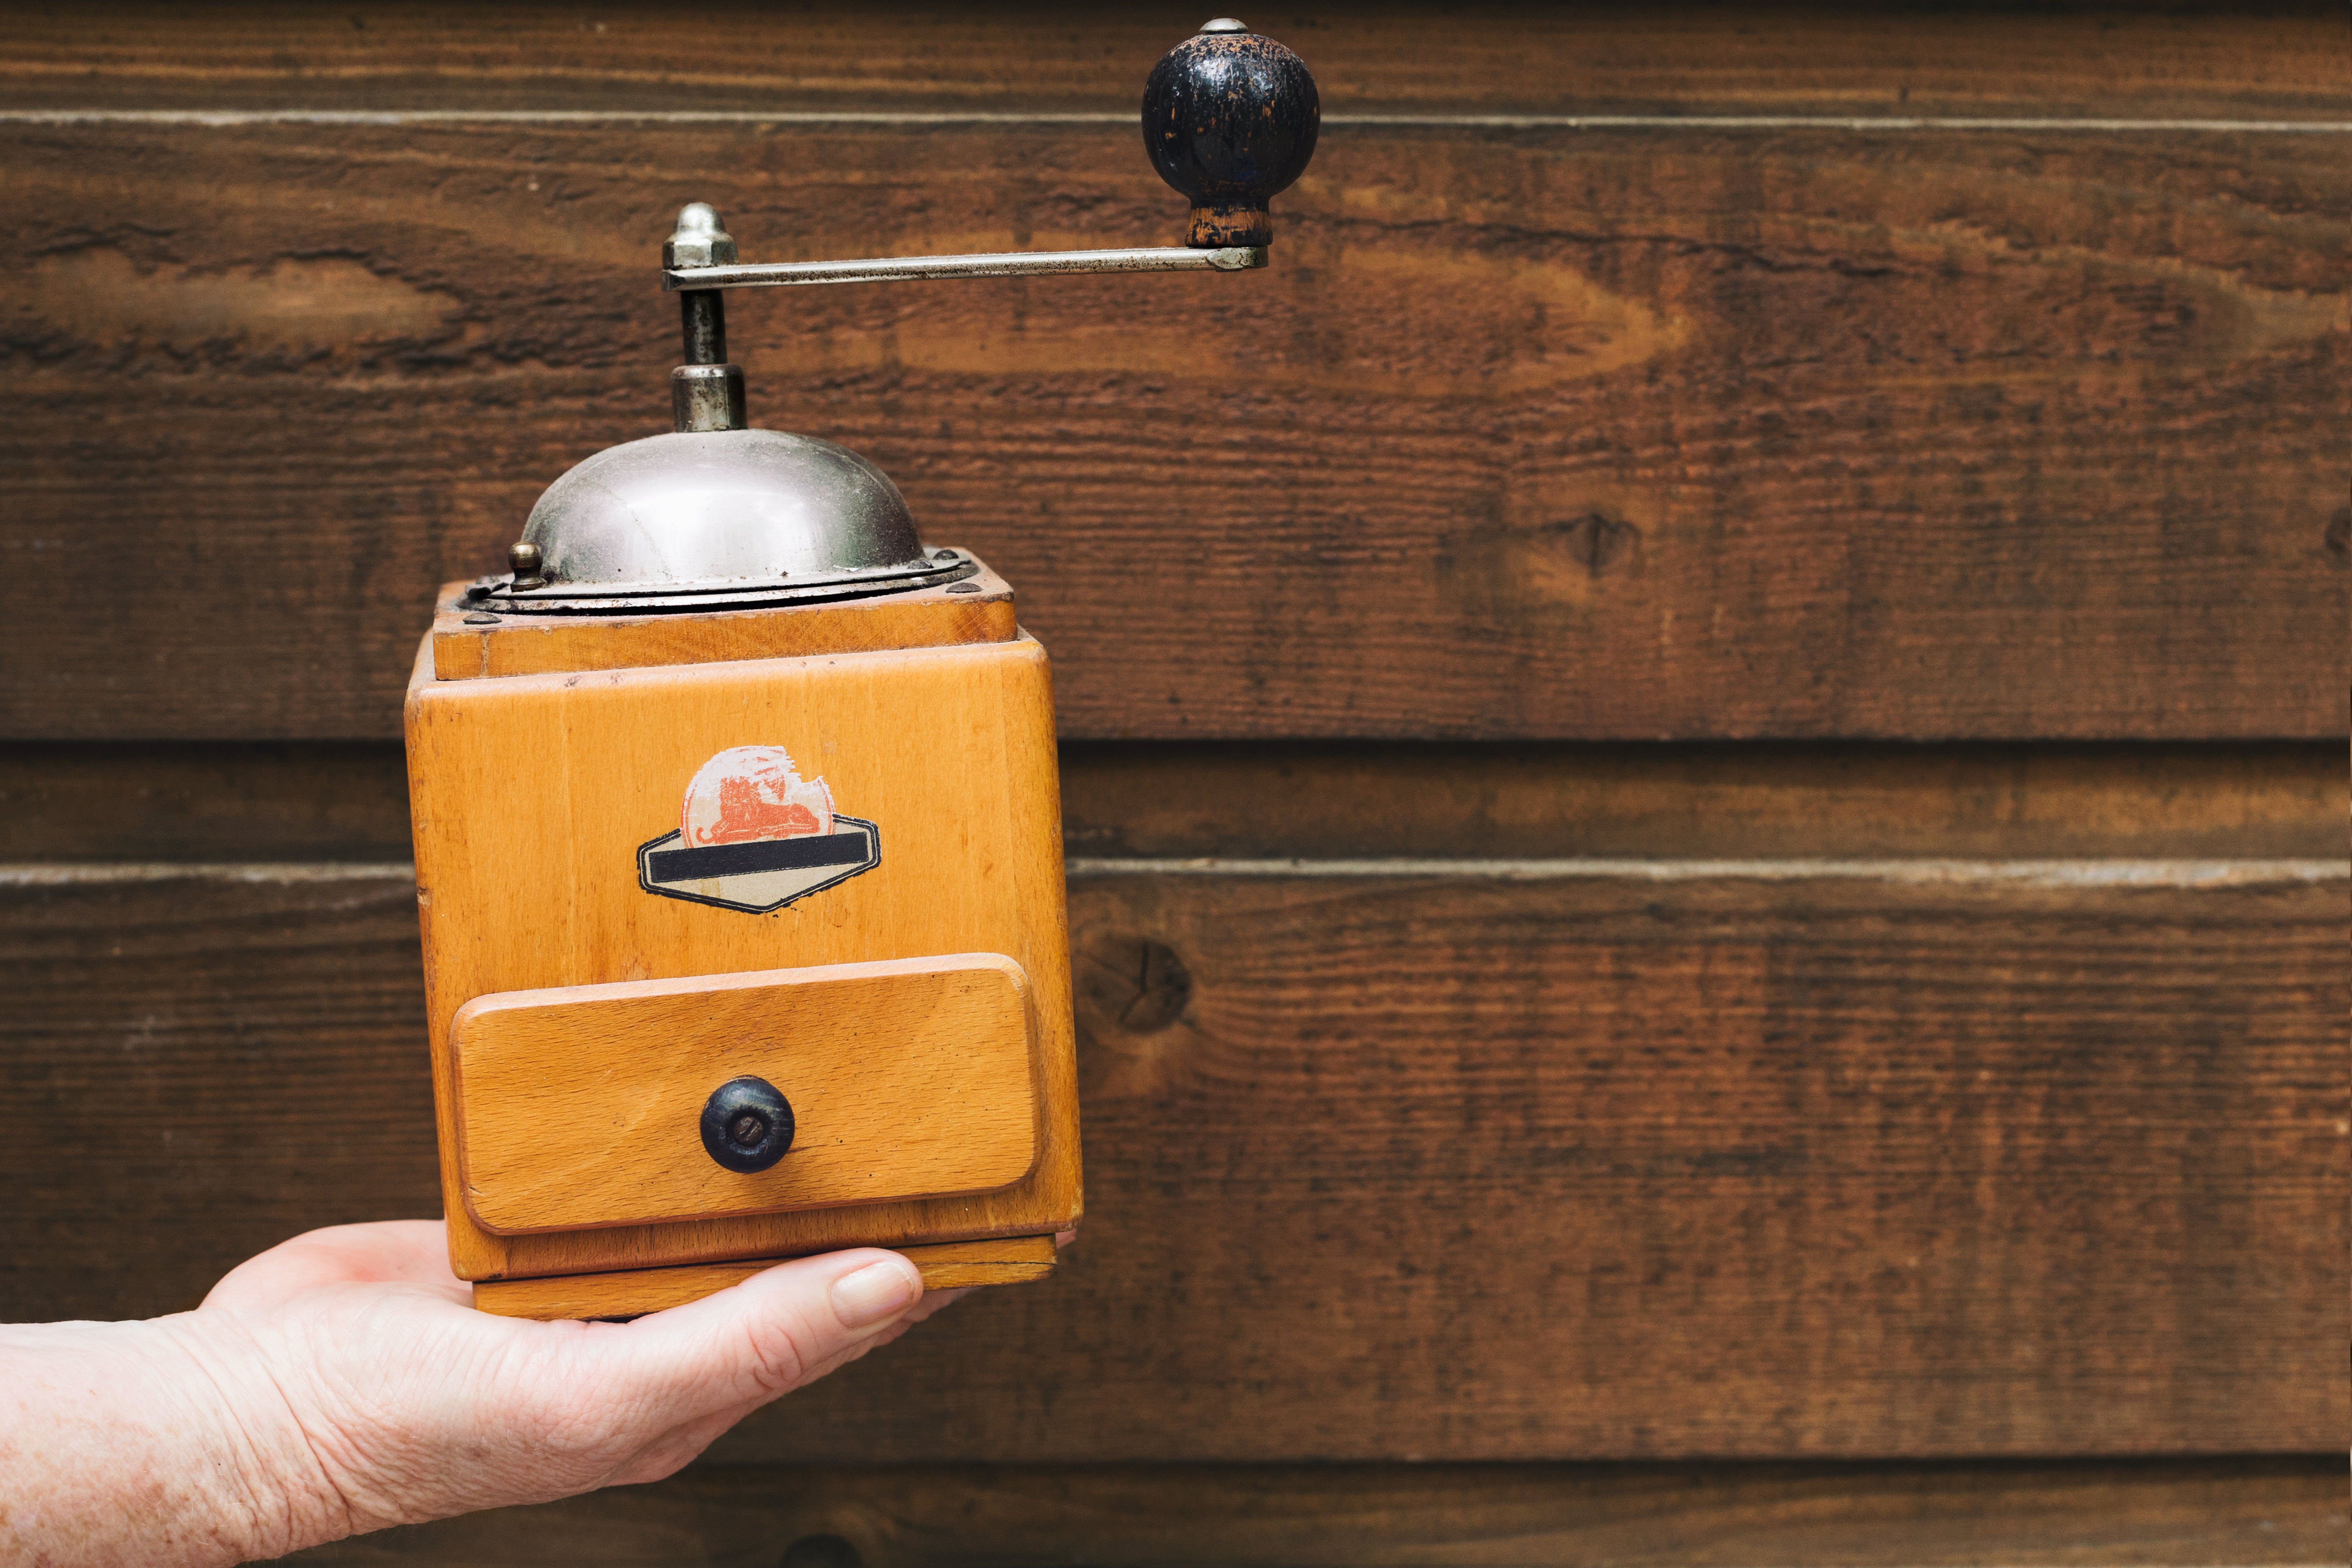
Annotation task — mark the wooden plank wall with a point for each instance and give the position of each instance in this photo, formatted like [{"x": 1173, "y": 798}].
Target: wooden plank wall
[
  {"x": 1641, "y": 431},
  {"x": 1704, "y": 762}
]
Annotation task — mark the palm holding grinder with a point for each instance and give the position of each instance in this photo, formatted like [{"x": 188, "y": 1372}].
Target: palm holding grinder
[{"x": 738, "y": 832}]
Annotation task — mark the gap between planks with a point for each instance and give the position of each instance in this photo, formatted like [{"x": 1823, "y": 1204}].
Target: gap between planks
[
  {"x": 2084, "y": 873},
  {"x": 234, "y": 117}
]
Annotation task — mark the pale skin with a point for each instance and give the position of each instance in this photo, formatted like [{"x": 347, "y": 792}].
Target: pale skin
[{"x": 341, "y": 1383}]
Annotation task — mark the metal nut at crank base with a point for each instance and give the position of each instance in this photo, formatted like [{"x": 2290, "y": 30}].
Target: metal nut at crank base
[
  {"x": 746, "y": 1125},
  {"x": 707, "y": 397},
  {"x": 701, "y": 238}
]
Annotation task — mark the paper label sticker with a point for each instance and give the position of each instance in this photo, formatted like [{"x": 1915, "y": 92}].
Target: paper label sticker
[{"x": 754, "y": 836}]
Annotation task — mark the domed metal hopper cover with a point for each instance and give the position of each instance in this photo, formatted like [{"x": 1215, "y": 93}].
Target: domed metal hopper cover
[
  {"x": 719, "y": 506},
  {"x": 702, "y": 520}
]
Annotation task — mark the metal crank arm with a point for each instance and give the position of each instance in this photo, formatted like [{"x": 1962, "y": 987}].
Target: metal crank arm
[{"x": 998, "y": 264}]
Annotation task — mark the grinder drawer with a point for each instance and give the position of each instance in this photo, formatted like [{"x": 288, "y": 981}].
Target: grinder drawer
[{"x": 668, "y": 1099}]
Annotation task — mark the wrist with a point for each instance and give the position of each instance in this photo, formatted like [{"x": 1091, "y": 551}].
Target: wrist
[
  {"x": 117, "y": 1449},
  {"x": 240, "y": 1419}
]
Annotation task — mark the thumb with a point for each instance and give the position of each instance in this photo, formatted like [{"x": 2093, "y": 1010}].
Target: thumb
[{"x": 753, "y": 1342}]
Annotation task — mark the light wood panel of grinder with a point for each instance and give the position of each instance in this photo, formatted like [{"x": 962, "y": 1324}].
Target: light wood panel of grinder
[
  {"x": 581, "y": 1106},
  {"x": 950, "y": 1265},
  {"x": 540, "y": 800}
]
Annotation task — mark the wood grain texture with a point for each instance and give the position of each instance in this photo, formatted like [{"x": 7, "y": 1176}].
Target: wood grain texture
[
  {"x": 1530, "y": 433},
  {"x": 2050, "y": 1515},
  {"x": 950, "y": 1265},
  {"x": 1769, "y": 59},
  {"x": 977, "y": 611},
  {"x": 580, "y": 1106},
  {"x": 535, "y": 796},
  {"x": 343, "y": 801},
  {"x": 276, "y": 1011},
  {"x": 1720, "y": 801},
  {"x": 1710, "y": 802},
  {"x": 1425, "y": 1167}
]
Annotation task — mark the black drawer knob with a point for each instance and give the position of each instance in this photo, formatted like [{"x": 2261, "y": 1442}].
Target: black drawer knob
[{"x": 746, "y": 1124}]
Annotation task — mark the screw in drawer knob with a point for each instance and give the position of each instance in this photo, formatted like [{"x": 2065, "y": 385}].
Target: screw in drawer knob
[{"x": 746, "y": 1124}]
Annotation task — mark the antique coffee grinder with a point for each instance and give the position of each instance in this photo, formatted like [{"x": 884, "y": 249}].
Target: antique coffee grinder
[{"x": 738, "y": 835}]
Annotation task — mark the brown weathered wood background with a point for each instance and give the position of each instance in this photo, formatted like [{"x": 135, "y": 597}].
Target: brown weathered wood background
[{"x": 1704, "y": 762}]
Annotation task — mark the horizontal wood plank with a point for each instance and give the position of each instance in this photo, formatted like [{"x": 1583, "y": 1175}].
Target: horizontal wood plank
[
  {"x": 274, "y": 1018},
  {"x": 1534, "y": 433},
  {"x": 1273, "y": 800},
  {"x": 1702, "y": 802},
  {"x": 1386, "y": 1167},
  {"x": 2194, "y": 1515},
  {"x": 1818, "y": 58},
  {"x": 235, "y": 801}
]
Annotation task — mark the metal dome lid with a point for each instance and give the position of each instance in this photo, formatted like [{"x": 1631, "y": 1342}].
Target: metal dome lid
[
  {"x": 701, "y": 520},
  {"x": 719, "y": 507},
  {"x": 708, "y": 518}
]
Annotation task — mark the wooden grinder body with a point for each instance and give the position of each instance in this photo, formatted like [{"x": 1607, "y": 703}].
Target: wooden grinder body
[
  {"x": 583, "y": 1004},
  {"x": 745, "y": 932}
]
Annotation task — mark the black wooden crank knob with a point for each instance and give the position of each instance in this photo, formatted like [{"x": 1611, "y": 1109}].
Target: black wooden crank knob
[
  {"x": 746, "y": 1124},
  {"x": 1229, "y": 118}
]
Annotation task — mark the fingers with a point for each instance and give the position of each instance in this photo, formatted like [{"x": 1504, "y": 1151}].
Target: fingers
[
  {"x": 681, "y": 1445},
  {"x": 402, "y": 1251},
  {"x": 674, "y": 1449},
  {"x": 750, "y": 1343}
]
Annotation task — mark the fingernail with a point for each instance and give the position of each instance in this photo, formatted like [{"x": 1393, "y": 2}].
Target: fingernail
[{"x": 874, "y": 1293}]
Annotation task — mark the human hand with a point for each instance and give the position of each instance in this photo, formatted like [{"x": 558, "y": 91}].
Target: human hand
[{"x": 341, "y": 1383}]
